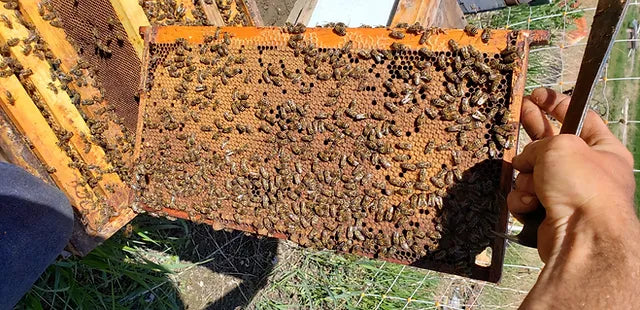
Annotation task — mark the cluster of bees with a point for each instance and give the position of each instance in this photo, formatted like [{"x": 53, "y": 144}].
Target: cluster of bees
[
  {"x": 117, "y": 144},
  {"x": 391, "y": 152},
  {"x": 169, "y": 12},
  {"x": 226, "y": 10},
  {"x": 46, "y": 11}
]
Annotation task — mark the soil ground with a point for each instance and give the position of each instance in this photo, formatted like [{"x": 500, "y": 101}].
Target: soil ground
[{"x": 275, "y": 13}]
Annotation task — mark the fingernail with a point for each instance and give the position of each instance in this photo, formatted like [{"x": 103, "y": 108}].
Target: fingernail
[{"x": 526, "y": 199}]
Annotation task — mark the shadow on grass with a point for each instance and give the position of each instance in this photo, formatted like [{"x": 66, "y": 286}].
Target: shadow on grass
[{"x": 137, "y": 268}]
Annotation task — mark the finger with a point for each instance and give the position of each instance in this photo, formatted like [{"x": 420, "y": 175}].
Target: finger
[
  {"x": 535, "y": 120},
  {"x": 524, "y": 183},
  {"x": 520, "y": 203},
  {"x": 525, "y": 161},
  {"x": 594, "y": 130}
]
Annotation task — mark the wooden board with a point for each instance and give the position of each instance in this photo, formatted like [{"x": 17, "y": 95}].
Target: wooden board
[
  {"x": 15, "y": 150},
  {"x": 132, "y": 17},
  {"x": 250, "y": 8},
  {"x": 212, "y": 13},
  {"x": 432, "y": 13},
  {"x": 302, "y": 11}
]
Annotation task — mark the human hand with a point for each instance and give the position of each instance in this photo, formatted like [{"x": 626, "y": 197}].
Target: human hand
[{"x": 585, "y": 183}]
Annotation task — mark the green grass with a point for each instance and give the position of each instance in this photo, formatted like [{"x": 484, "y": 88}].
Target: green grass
[
  {"x": 619, "y": 66},
  {"x": 617, "y": 92},
  {"x": 119, "y": 274},
  {"x": 546, "y": 17},
  {"x": 516, "y": 281},
  {"x": 327, "y": 280}
]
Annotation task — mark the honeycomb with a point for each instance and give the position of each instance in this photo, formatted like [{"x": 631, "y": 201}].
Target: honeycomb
[
  {"x": 377, "y": 142},
  {"x": 92, "y": 26}
]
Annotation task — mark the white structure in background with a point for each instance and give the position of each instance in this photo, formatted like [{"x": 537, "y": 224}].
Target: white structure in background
[{"x": 377, "y": 12}]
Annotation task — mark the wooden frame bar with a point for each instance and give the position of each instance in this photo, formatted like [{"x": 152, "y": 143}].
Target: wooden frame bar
[
  {"x": 212, "y": 13},
  {"x": 251, "y": 9},
  {"x": 302, "y": 11},
  {"x": 16, "y": 151},
  {"x": 132, "y": 17},
  {"x": 429, "y": 13}
]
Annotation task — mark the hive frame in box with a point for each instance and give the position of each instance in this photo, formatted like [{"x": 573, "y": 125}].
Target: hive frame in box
[{"x": 325, "y": 38}]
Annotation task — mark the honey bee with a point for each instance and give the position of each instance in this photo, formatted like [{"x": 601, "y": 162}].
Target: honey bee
[
  {"x": 10, "y": 99},
  {"x": 396, "y": 34},
  {"x": 451, "y": 88},
  {"x": 441, "y": 61},
  {"x": 398, "y": 46},
  {"x": 437, "y": 182},
  {"x": 52, "y": 87},
  {"x": 299, "y": 28},
  {"x": 13, "y": 42},
  {"x": 391, "y": 107},
  {"x": 431, "y": 112},
  {"x": 454, "y": 128},
  {"x": 509, "y": 50},
  {"x": 305, "y": 90},
  {"x": 486, "y": 35},
  {"x": 408, "y": 166},
  {"x": 50, "y": 169},
  {"x": 364, "y": 54},
  {"x": 478, "y": 98},
  {"x": 447, "y": 98},
  {"x": 429, "y": 147},
  {"x": 453, "y": 45},
  {"x": 480, "y": 152},
  {"x": 346, "y": 48},
  {"x": 334, "y": 93},
  {"x": 471, "y": 30},
  {"x": 377, "y": 56},
  {"x": 424, "y": 37},
  {"x": 426, "y": 52},
  {"x": 445, "y": 146},
  {"x": 493, "y": 149},
  {"x": 340, "y": 29},
  {"x": 416, "y": 28},
  {"x": 310, "y": 70},
  {"x": 464, "y": 105},
  {"x": 438, "y": 102},
  {"x": 510, "y": 58},
  {"x": 6, "y": 21},
  {"x": 406, "y": 146},
  {"x": 323, "y": 76},
  {"x": 482, "y": 67}
]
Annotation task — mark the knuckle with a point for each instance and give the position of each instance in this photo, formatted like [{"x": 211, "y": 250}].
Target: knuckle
[{"x": 564, "y": 142}]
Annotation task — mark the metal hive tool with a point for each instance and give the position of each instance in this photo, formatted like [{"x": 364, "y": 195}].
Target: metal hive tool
[{"x": 388, "y": 143}]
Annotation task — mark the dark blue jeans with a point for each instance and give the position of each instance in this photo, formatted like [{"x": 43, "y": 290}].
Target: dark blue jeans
[{"x": 36, "y": 220}]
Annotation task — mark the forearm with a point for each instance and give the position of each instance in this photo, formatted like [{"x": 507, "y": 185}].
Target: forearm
[{"x": 597, "y": 267}]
